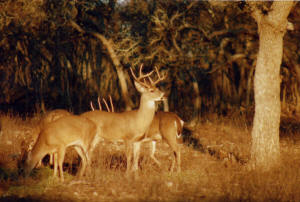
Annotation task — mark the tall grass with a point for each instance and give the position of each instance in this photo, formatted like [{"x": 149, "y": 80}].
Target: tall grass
[{"x": 206, "y": 174}]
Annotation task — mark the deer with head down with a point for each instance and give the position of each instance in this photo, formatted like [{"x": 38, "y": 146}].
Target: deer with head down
[
  {"x": 49, "y": 117},
  {"x": 55, "y": 137},
  {"x": 131, "y": 126}
]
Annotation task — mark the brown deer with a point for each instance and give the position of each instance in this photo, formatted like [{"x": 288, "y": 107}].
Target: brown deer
[
  {"x": 165, "y": 126},
  {"x": 131, "y": 126},
  {"x": 49, "y": 117},
  {"x": 76, "y": 131},
  {"x": 53, "y": 115}
]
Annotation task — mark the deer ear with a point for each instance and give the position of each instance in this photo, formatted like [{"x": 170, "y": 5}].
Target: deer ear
[{"x": 139, "y": 87}]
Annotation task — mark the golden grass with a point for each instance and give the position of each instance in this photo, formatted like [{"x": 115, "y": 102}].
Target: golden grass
[{"x": 218, "y": 172}]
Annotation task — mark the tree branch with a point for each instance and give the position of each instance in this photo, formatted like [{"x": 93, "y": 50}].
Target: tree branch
[
  {"x": 255, "y": 12},
  {"x": 280, "y": 10},
  {"x": 114, "y": 58}
]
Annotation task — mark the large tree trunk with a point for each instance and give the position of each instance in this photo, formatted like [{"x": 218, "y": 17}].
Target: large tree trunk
[{"x": 265, "y": 151}]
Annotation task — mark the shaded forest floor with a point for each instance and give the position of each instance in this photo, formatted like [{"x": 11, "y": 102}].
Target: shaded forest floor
[{"x": 214, "y": 168}]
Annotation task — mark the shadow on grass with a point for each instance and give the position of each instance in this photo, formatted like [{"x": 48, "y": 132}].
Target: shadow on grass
[
  {"x": 190, "y": 141},
  {"x": 30, "y": 199},
  {"x": 9, "y": 174}
]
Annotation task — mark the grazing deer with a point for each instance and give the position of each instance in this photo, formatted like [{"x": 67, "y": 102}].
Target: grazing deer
[
  {"x": 131, "y": 126},
  {"x": 53, "y": 115},
  {"x": 76, "y": 131},
  {"x": 49, "y": 117},
  {"x": 165, "y": 126}
]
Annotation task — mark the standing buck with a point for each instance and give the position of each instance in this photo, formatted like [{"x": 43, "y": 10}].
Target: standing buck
[
  {"x": 56, "y": 136},
  {"x": 166, "y": 126},
  {"x": 131, "y": 126}
]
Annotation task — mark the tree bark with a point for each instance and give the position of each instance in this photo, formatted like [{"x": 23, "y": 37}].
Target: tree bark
[{"x": 265, "y": 151}]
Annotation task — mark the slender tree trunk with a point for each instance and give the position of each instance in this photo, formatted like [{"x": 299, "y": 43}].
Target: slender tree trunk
[
  {"x": 119, "y": 68},
  {"x": 249, "y": 85},
  {"x": 115, "y": 61},
  {"x": 297, "y": 87},
  {"x": 197, "y": 100},
  {"x": 265, "y": 151},
  {"x": 197, "y": 107}
]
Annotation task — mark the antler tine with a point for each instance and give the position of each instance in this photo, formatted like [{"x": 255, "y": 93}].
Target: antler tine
[
  {"x": 92, "y": 107},
  {"x": 106, "y": 105},
  {"x": 160, "y": 78},
  {"x": 111, "y": 104},
  {"x": 151, "y": 81},
  {"x": 135, "y": 78},
  {"x": 141, "y": 67},
  {"x": 141, "y": 75},
  {"x": 99, "y": 103}
]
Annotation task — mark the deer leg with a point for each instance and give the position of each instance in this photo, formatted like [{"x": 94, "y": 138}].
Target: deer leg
[
  {"x": 172, "y": 142},
  {"x": 55, "y": 163},
  {"x": 177, "y": 158},
  {"x": 153, "y": 148},
  {"x": 84, "y": 160},
  {"x": 173, "y": 162},
  {"x": 51, "y": 160},
  {"x": 129, "y": 152},
  {"x": 136, "y": 154},
  {"x": 60, "y": 159}
]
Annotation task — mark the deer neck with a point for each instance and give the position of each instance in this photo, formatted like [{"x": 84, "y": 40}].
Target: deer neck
[{"x": 146, "y": 110}]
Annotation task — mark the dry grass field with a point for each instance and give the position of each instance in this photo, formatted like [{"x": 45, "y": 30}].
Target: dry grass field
[{"x": 214, "y": 168}]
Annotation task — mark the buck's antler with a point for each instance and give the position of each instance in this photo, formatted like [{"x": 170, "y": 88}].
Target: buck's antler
[
  {"x": 142, "y": 77},
  {"x": 106, "y": 105}
]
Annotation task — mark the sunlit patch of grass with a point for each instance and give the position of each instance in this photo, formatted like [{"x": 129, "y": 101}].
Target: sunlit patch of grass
[
  {"x": 207, "y": 175},
  {"x": 280, "y": 184}
]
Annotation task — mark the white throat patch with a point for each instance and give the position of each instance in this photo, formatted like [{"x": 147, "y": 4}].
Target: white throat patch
[{"x": 151, "y": 104}]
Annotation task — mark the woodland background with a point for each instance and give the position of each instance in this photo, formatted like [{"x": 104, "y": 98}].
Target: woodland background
[
  {"x": 208, "y": 49},
  {"x": 66, "y": 53}
]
